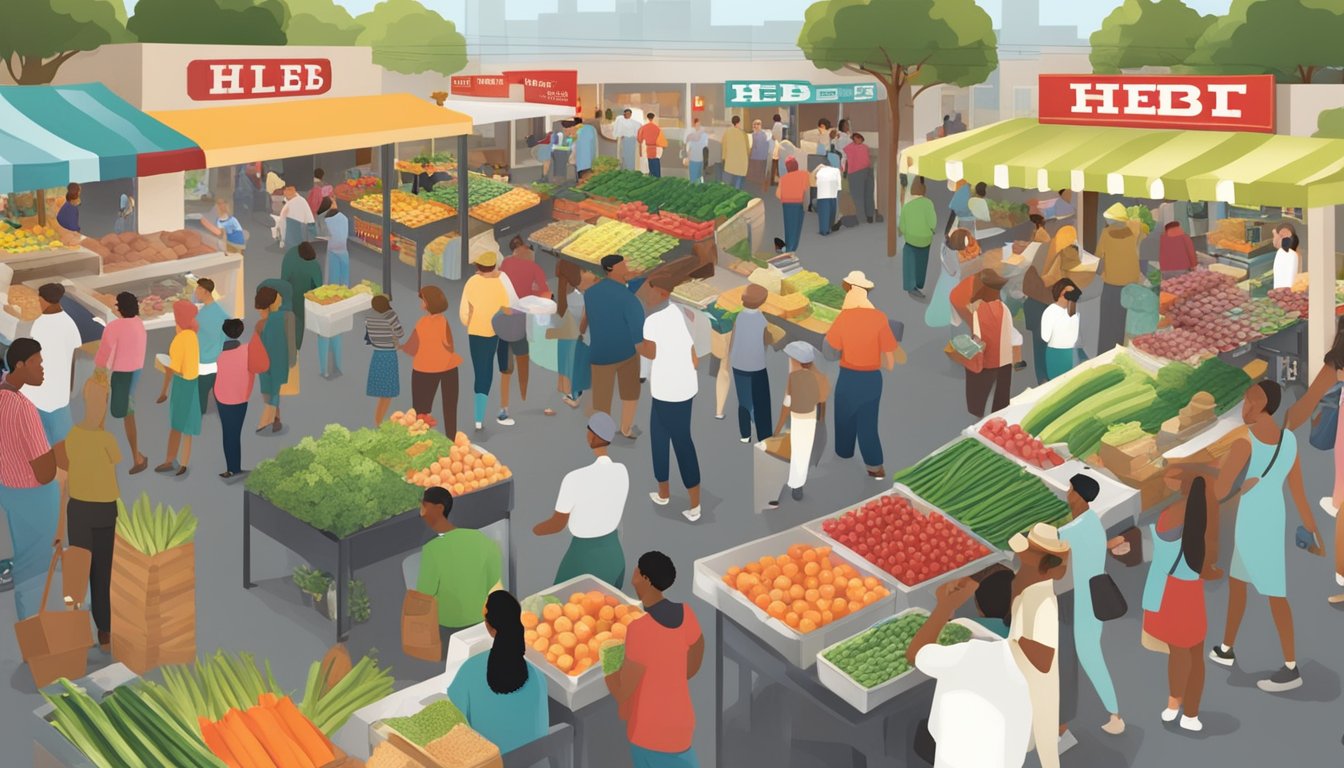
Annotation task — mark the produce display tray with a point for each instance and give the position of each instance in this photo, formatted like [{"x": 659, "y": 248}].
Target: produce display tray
[
  {"x": 576, "y": 692},
  {"x": 866, "y": 700},
  {"x": 337, "y": 318},
  {"x": 920, "y": 595},
  {"x": 47, "y": 739},
  {"x": 798, "y": 649}
]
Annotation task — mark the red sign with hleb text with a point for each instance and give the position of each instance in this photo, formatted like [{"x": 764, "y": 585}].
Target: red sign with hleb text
[
  {"x": 1174, "y": 102},
  {"x": 487, "y": 86},
  {"x": 224, "y": 79},
  {"x": 549, "y": 86}
]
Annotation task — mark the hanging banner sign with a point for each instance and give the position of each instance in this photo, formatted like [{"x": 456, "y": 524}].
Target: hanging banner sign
[
  {"x": 778, "y": 93},
  {"x": 228, "y": 79},
  {"x": 1174, "y": 102},
  {"x": 549, "y": 86}
]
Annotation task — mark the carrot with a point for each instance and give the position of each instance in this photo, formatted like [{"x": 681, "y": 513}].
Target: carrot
[
  {"x": 256, "y": 753},
  {"x": 237, "y": 747},
  {"x": 311, "y": 740},
  {"x": 267, "y": 699},
  {"x": 278, "y": 742},
  {"x": 215, "y": 741}
]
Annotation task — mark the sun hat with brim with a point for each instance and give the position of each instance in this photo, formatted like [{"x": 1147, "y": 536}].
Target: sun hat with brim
[
  {"x": 1043, "y": 537},
  {"x": 859, "y": 280},
  {"x": 1117, "y": 212},
  {"x": 801, "y": 351},
  {"x": 488, "y": 259}
]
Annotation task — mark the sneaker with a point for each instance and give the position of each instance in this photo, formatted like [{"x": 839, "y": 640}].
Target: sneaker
[
  {"x": 796, "y": 493},
  {"x": 917, "y": 293},
  {"x": 744, "y": 439},
  {"x": 1284, "y": 680},
  {"x": 504, "y": 419},
  {"x": 1067, "y": 741},
  {"x": 479, "y": 426},
  {"x": 1219, "y": 656},
  {"x": 692, "y": 514},
  {"x": 661, "y": 501},
  {"x": 1191, "y": 724},
  {"x": 1336, "y": 599},
  {"x": 1170, "y": 715},
  {"x": 1115, "y": 726},
  {"x": 1328, "y": 504},
  {"x": 6, "y": 575}
]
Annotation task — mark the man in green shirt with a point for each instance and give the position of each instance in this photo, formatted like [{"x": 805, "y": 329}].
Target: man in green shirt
[
  {"x": 917, "y": 221},
  {"x": 459, "y": 567}
]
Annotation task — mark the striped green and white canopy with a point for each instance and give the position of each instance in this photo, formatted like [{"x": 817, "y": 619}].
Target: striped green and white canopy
[{"x": 1250, "y": 169}]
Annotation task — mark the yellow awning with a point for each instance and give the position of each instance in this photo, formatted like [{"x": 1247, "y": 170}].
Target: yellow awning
[{"x": 234, "y": 135}]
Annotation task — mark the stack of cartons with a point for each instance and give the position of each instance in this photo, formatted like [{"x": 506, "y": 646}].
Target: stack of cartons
[{"x": 153, "y": 606}]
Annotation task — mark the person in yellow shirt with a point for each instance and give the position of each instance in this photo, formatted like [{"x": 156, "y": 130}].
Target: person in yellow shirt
[
  {"x": 486, "y": 294},
  {"x": 1118, "y": 249},
  {"x": 90, "y": 455},
  {"x": 184, "y": 402}
]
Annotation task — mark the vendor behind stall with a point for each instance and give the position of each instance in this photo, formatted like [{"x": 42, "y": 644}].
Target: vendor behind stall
[
  {"x": 68, "y": 215},
  {"x": 459, "y": 567}
]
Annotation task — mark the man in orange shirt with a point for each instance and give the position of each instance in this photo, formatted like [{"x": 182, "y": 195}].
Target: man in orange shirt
[
  {"x": 792, "y": 191},
  {"x": 650, "y": 137},
  {"x": 663, "y": 651},
  {"x": 862, "y": 335}
]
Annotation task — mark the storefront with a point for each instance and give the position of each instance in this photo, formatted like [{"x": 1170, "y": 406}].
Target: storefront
[{"x": 1204, "y": 140}]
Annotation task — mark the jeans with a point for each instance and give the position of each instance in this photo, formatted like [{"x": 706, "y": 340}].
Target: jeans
[
  {"x": 327, "y": 344},
  {"x": 206, "y": 382},
  {"x": 231, "y": 419},
  {"x": 914, "y": 266},
  {"x": 825, "y": 207},
  {"x": 861, "y": 190},
  {"x": 793, "y": 225},
  {"x": 655, "y": 167},
  {"x": 670, "y": 426},
  {"x": 733, "y": 180},
  {"x": 32, "y": 514},
  {"x": 338, "y": 267},
  {"x": 753, "y": 399},
  {"x": 857, "y": 397},
  {"x": 696, "y": 170},
  {"x": 483, "y": 352},
  {"x": 92, "y": 525}
]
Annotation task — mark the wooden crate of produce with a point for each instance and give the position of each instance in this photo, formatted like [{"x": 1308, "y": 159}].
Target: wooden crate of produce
[{"x": 153, "y": 606}]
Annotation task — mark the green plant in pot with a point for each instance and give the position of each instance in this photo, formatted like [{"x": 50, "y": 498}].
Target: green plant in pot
[{"x": 312, "y": 582}]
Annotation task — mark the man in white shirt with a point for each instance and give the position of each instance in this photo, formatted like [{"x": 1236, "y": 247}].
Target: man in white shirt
[
  {"x": 590, "y": 504},
  {"x": 981, "y": 715},
  {"x": 1286, "y": 262},
  {"x": 296, "y": 218},
  {"x": 828, "y": 192},
  {"x": 673, "y": 384},
  {"x": 626, "y": 129},
  {"x": 59, "y": 336}
]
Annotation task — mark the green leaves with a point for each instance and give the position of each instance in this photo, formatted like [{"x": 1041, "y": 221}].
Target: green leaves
[
  {"x": 34, "y": 32},
  {"x": 1142, "y": 33},
  {"x": 154, "y": 529}
]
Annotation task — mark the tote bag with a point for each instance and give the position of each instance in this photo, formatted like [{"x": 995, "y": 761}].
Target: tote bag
[{"x": 1326, "y": 421}]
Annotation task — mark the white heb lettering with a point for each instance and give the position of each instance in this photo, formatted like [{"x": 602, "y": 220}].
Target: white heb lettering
[
  {"x": 784, "y": 93},
  {"x": 1156, "y": 99},
  {"x": 228, "y": 79}
]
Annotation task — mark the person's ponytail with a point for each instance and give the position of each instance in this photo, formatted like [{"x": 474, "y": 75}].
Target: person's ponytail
[{"x": 506, "y": 669}]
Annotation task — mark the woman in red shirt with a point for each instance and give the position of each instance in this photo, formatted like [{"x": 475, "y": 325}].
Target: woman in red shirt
[
  {"x": 992, "y": 324},
  {"x": 663, "y": 651}
]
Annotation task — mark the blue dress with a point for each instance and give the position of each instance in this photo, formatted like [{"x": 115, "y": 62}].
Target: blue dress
[
  {"x": 939, "y": 312},
  {"x": 1259, "y": 555},
  {"x": 585, "y": 147},
  {"x": 509, "y": 720},
  {"x": 1087, "y": 551}
]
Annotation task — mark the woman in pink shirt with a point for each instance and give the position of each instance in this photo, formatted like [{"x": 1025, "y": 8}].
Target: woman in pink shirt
[
  {"x": 121, "y": 352},
  {"x": 859, "y": 169},
  {"x": 239, "y": 365}
]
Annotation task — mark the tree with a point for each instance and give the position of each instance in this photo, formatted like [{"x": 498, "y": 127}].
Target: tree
[
  {"x": 321, "y": 22},
  {"x": 209, "y": 22},
  {"x": 1290, "y": 39},
  {"x": 1330, "y": 124},
  {"x": 408, "y": 37},
  {"x": 1147, "y": 33},
  {"x": 904, "y": 45},
  {"x": 36, "y": 38}
]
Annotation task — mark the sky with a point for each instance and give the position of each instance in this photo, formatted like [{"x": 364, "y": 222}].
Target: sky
[{"x": 1085, "y": 14}]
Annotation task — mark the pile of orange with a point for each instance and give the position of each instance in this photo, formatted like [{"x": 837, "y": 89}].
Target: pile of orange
[
  {"x": 463, "y": 470},
  {"x": 803, "y": 588},
  {"x": 571, "y": 634}
]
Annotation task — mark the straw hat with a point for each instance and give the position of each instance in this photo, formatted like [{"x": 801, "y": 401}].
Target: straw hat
[
  {"x": 1117, "y": 213},
  {"x": 1043, "y": 537},
  {"x": 859, "y": 280},
  {"x": 488, "y": 259}
]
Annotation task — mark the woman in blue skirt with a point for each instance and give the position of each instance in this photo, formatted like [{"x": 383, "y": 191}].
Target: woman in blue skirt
[{"x": 383, "y": 332}]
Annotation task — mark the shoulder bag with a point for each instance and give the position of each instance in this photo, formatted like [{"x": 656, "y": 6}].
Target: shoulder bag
[
  {"x": 1108, "y": 602},
  {"x": 1326, "y": 422}
]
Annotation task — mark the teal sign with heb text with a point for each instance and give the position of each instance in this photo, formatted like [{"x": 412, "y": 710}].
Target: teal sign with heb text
[{"x": 777, "y": 93}]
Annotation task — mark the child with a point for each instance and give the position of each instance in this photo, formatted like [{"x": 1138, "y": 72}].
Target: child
[{"x": 239, "y": 365}]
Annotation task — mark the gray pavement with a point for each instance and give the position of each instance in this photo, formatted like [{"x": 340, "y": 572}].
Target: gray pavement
[{"x": 923, "y": 408}]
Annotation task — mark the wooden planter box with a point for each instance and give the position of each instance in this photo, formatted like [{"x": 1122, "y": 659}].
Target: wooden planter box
[{"x": 153, "y": 605}]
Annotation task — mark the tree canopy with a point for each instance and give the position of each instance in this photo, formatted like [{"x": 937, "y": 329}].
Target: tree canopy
[
  {"x": 1290, "y": 39},
  {"x": 1330, "y": 124},
  {"x": 1147, "y": 33},
  {"x": 210, "y": 22},
  {"x": 408, "y": 37},
  {"x": 36, "y": 38},
  {"x": 320, "y": 22}
]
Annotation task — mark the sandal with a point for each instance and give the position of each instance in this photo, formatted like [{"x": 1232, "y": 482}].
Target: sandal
[
  {"x": 570, "y": 401},
  {"x": 225, "y": 475},
  {"x": 275, "y": 426},
  {"x": 548, "y": 412},
  {"x": 165, "y": 467},
  {"x": 140, "y": 466},
  {"x": 182, "y": 470}
]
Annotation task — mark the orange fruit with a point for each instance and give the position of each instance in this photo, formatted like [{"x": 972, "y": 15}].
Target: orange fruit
[
  {"x": 551, "y": 612},
  {"x": 826, "y": 576},
  {"x": 827, "y": 591},
  {"x": 767, "y": 560},
  {"x": 811, "y": 595},
  {"x": 771, "y": 573},
  {"x": 581, "y": 652},
  {"x": 791, "y": 570},
  {"x": 567, "y": 640},
  {"x": 822, "y": 551},
  {"x": 871, "y": 583},
  {"x": 813, "y": 616},
  {"x": 762, "y": 601},
  {"x": 778, "y": 594},
  {"x": 618, "y": 631},
  {"x": 583, "y": 665},
  {"x": 776, "y": 609},
  {"x": 810, "y": 556},
  {"x": 576, "y": 598},
  {"x": 565, "y": 662},
  {"x": 563, "y": 624},
  {"x": 811, "y": 582},
  {"x": 753, "y": 568},
  {"x": 811, "y": 568},
  {"x": 839, "y": 606},
  {"x": 806, "y": 625},
  {"x": 827, "y": 617},
  {"x": 602, "y": 636},
  {"x": 869, "y": 598},
  {"x": 586, "y": 621},
  {"x": 782, "y": 582},
  {"x": 791, "y": 619},
  {"x": 797, "y": 551},
  {"x": 799, "y": 607},
  {"x": 584, "y": 632},
  {"x": 573, "y": 612},
  {"x": 607, "y": 613},
  {"x": 796, "y": 592},
  {"x": 855, "y": 606},
  {"x": 545, "y": 630},
  {"x": 556, "y": 649},
  {"x": 630, "y": 617},
  {"x": 542, "y": 645},
  {"x": 529, "y": 620},
  {"x": 732, "y": 573},
  {"x": 602, "y": 626},
  {"x": 613, "y": 602}
]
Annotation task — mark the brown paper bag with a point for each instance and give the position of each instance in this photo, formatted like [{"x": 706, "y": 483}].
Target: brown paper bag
[
  {"x": 55, "y": 644},
  {"x": 153, "y": 606},
  {"x": 291, "y": 387},
  {"x": 420, "y": 627}
]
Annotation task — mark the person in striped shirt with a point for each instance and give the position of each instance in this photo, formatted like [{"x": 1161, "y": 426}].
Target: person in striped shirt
[{"x": 383, "y": 332}]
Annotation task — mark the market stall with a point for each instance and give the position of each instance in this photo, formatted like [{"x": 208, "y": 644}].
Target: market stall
[
  {"x": 159, "y": 284},
  {"x": 348, "y": 499}
]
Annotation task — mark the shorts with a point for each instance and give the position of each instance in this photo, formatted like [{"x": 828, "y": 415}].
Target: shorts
[
  {"x": 623, "y": 375},
  {"x": 233, "y": 248},
  {"x": 508, "y": 350},
  {"x": 56, "y": 423},
  {"x": 121, "y": 399}
]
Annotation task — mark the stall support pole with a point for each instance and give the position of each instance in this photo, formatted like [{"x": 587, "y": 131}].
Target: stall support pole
[
  {"x": 1079, "y": 213},
  {"x": 463, "y": 194},
  {"x": 388, "y": 160},
  {"x": 1321, "y": 289}
]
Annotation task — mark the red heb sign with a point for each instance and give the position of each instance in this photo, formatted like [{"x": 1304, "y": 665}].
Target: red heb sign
[
  {"x": 223, "y": 79},
  {"x": 1231, "y": 103},
  {"x": 559, "y": 87}
]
